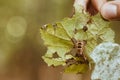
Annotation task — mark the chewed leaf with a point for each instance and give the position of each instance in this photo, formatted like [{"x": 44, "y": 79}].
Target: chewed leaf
[
  {"x": 77, "y": 68},
  {"x": 91, "y": 43},
  {"x": 83, "y": 35},
  {"x": 54, "y": 62},
  {"x": 52, "y": 40},
  {"x": 71, "y": 41},
  {"x": 93, "y": 29},
  {"x": 61, "y": 51},
  {"x": 100, "y": 22},
  {"x": 76, "y": 23},
  {"x": 69, "y": 26},
  {"x": 56, "y": 30},
  {"x": 80, "y": 20},
  {"x": 60, "y": 32},
  {"x": 109, "y": 35}
]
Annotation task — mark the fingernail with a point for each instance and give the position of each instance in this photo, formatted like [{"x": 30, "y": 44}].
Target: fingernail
[{"x": 109, "y": 11}]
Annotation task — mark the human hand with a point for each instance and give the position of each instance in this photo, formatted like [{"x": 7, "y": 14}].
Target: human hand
[{"x": 110, "y": 10}]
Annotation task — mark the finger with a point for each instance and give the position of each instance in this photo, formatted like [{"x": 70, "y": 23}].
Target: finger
[
  {"x": 82, "y": 2},
  {"x": 111, "y": 10},
  {"x": 98, "y": 3}
]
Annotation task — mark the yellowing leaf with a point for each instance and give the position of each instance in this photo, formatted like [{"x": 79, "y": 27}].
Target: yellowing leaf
[
  {"x": 91, "y": 43},
  {"x": 54, "y": 40},
  {"x": 77, "y": 68},
  {"x": 82, "y": 35},
  {"x": 73, "y": 40},
  {"x": 56, "y": 62},
  {"x": 109, "y": 35},
  {"x": 100, "y": 22}
]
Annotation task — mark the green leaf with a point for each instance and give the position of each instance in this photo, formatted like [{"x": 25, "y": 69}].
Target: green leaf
[
  {"x": 53, "y": 62},
  {"x": 82, "y": 35},
  {"x": 78, "y": 35},
  {"x": 91, "y": 44},
  {"x": 100, "y": 22},
  {"x": 56, "y": 61},
  {"x": 109, "y": 34},
  {"x": 55, "y": 44},
  {"x": 69, "y": 22},
  {"x": 56, "y": 30},
  {"x": 77, "y": 68}
]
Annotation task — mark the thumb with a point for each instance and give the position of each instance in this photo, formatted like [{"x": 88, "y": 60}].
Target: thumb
[{"x": 111, "y": 10}]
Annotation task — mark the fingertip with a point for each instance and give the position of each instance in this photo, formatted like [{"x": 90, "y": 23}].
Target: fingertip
[
  {"x": 98, "y": 3},
  {"x": 110, "y": 11}
]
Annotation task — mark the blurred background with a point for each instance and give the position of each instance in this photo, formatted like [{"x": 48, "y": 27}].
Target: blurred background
[{"x": 21, "y": 47}]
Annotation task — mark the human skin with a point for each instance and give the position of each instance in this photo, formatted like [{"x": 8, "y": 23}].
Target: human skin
[{"x": 110, "y": 10}]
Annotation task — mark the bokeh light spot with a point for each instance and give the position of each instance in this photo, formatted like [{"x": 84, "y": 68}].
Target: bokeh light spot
[{"x": 17, "y": 26}]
